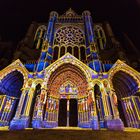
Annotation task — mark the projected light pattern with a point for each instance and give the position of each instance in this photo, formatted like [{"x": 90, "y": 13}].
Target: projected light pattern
[{"x": 69, "y": 85}]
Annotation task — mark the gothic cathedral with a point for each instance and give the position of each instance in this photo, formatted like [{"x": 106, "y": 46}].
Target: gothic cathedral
[{"x": 74, "y": 82}]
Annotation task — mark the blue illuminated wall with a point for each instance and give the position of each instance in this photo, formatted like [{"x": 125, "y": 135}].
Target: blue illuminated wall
[{"x": 12, "y": 84}]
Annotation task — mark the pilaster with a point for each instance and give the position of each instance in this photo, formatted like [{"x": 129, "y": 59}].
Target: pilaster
[
  {"x": 38, "y": 121},
  {"x": 94, "y": 123}
]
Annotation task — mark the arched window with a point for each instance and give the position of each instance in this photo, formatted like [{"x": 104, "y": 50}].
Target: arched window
[
  {"x": 76, "y": 52},
  {"x": 100, "y": 37},
  {"x": 55, "y": 54},
  {"x": 69, "y": 49},
  {"x": 39, "y": 37},
  {"x": 82, "y": 53},
  {"x": 62, "y": 51}
]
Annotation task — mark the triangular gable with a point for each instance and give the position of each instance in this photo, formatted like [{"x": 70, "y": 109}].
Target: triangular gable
[
  {"x": 68, "y": 58},
  {"x": 70, "y": 13},
  {"x": 121, "y": 66},
  {"x": 16, "y": 65}
]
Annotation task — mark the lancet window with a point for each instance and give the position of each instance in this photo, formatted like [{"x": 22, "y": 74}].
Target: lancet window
[
  {"x": 40, "y": 37},
  {"x": 100, "y": 37}
]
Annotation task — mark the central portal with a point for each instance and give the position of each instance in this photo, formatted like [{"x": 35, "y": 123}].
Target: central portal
[
  {"x": 67, "y": 96},
  {"x": 68, "y": 112}
]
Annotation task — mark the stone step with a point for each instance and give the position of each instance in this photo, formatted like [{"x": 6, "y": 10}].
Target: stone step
[{"x": 69, "y": 133}]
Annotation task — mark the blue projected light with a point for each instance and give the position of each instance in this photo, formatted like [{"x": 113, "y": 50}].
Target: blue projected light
[
  {"x": 50, "y": 50},
  {"x": 91, "y": 38},
  {"x": 38, "y": 89},
  {"x": 43, "y": 55},
  {"x": 11, "y": 84},
  {"x": 49, "y": 57},
  {"x": 108, "y": 66},
  {"x": 40, "y": 76},
  {"x": 97, "y": 66},
  {"x": 88, "y": 51},
  {"x": 47, "y": 64},
  {"x": 91, "y": 65},
  {"x": 94, "y": 55},
  {"x": 40, "y": 66},
  {"x": 30, "y": 67}
]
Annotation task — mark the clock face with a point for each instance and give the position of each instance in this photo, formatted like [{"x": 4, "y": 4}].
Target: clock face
[{"x": 69, "y": 35}]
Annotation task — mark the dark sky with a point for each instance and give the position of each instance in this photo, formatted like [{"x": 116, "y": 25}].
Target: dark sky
[{"x": 16, "y": 15}]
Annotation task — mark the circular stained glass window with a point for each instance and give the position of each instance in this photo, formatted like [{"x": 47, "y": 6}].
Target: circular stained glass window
[{"x": 69, "y": 35}]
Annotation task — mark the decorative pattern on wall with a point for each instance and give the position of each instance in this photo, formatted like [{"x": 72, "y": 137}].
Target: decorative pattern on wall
[
  {"x": 68, "y": 92},
  {"x": 69, "y": 35}
]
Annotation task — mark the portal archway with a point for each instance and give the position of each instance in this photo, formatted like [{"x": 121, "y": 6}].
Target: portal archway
[
  {"x": 10, "y": 92},
  {"x": 67, "y": 84},
  {"x": 126, "y": 88}
]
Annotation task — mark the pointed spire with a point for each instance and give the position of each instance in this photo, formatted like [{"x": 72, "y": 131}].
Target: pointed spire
[
  {"x": 70, "y": 13},
  {"x": 70, "y": 10}
]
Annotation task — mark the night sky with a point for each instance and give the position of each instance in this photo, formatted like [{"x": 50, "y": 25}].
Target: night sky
[{"x": 16, "y": 15}]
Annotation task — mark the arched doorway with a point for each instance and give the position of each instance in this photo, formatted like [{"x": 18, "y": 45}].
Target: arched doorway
[
  {"x": 73, "y": 112},
  {"x": 67, "y": 90},
  {"x": 68, "y": 111},
  {"x": 128, "y": 102},
  {"x": 10, "y": 91},
  {"x": 62, "y": 115}
]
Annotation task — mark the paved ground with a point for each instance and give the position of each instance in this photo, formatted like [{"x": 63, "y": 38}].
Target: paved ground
[{"x": 69, "y": 134}]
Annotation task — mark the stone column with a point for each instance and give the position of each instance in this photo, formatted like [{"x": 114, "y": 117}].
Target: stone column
[
  {"x": 20, "y": 104},
  {"x": 88, "y": 27},
  {"x": 114, "y": 103},
  {"x": 107, "y": 107},
  {"x": 136, "y": 110},
  {"x": 38, "y": 121},
  {"x": 94, "y": 117},
  {"x": 3, "y": 97},
  {"x": 18, "y": 121},
  {"x": 116, "y": 123},
  {"x": 50, "y": 30},
  {"x": 29, "y": 102}
]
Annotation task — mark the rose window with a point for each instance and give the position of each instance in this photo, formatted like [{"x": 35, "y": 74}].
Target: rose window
[{"x": 69, "y": 35}]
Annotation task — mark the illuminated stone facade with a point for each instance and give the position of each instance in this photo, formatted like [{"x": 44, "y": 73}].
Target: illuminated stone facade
[{"x": 70, "y": 85}]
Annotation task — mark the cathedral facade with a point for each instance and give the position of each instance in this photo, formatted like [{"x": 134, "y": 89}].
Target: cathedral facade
[{"x": 74, "y": 82}]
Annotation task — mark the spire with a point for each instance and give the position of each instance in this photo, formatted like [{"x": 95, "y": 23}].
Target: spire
[{"x": 70, "y": 13}]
